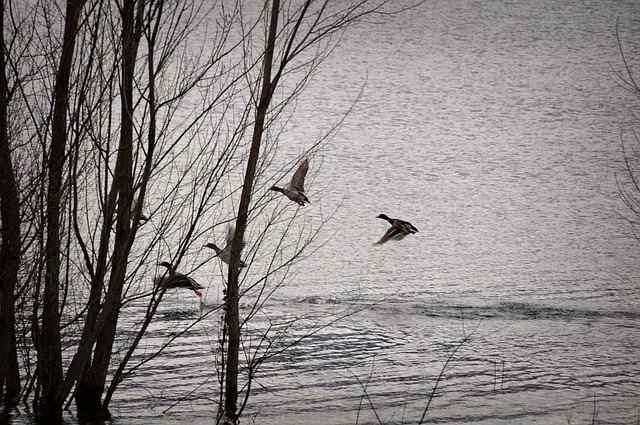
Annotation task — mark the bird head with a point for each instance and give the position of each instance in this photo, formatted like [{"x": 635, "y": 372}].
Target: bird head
[
  {"x": 167, "y": 265},
  {"x": 383, "y": 216}
]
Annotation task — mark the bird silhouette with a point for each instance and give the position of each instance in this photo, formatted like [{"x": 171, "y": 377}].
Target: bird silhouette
[
  {"x": 176, "y": 280},
  {"x": 398, "y": 230},
  {"x": 225, "y": 254},
  {"x": 295, "y": 189}
]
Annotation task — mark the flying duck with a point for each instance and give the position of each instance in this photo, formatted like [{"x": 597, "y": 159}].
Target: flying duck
[
  {"x": 398, "y": 230},
  {"x": 176, "y": 280},
  {"x": 225, "y": 254},
  {"x": 295, "y": 189}
]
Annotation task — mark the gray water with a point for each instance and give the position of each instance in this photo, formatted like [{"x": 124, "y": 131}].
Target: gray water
[{"x": 494, "y": 127}]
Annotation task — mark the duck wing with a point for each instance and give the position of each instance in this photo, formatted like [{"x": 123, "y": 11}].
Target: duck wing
[
  {"x": 184, "y": 281},
  {"x": 231, "y": 232},
  {"x": 396, "y": 232},
  {"x": 225, "y": 254},
  {"x": 297, "y": 181},
  {"x": 177, "y": 280},
  {"x": 384, "y": 238}
]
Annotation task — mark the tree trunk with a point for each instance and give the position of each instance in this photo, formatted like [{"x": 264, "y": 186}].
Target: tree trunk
[
  {"x": 151, "y": 44},
  {"x": 91, "y": 386},
  {"x": 233, "y": 316},
  {"x": 50, "y": 355},
  {"x": 10, "y": 246}
]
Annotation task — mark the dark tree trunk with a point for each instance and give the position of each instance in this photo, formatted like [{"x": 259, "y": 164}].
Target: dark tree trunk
[
  {"x": 93, "y": 381},
  {"x": 10, "y": 245},
  {"x": 232, "y": 312},
  {"x": 50, "y": 355}
]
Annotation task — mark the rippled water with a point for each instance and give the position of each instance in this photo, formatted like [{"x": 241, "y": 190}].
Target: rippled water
[{"x": 494, "y": 127}]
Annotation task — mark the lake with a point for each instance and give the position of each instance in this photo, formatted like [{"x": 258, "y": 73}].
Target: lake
[{"x": 494, "y": 127}]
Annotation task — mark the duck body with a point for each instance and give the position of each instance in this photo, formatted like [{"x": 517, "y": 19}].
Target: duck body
[
  {"x": 294, "y": 194},
  {"x": 225, "y": 254},
  {"x": 177, "y": 280},
  {"x": 398, "y": 230},
  {"x": 295, "y": 189}
]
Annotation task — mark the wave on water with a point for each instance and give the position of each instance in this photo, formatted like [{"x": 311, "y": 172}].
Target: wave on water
[{"x": 514, "y": 310}]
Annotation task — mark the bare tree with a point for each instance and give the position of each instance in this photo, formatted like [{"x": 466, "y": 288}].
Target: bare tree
[
  {"x": 10, "y": 245},
  {"x": 92, "y": 184},
  {"x": 298, "y": 36},
  {"x": 162, "y": 27},
  {"x": 629, "y": 181},
  {"x": 50, "y": 350},
  {"x": 185, "y": 134}
]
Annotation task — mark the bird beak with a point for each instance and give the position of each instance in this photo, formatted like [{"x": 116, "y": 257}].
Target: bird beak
[{"x": 198, "y": 293}]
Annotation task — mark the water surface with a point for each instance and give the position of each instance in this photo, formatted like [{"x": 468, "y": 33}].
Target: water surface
[{"x": 494, "y": 127}]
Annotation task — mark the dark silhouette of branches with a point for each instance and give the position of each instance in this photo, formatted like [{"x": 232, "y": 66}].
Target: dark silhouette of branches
[
  {"x": 125, "y": 143},
  {"x": 628, "y": 181}
]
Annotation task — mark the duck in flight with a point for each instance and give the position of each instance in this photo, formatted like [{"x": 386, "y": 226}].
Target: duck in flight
[
  {"x": 225, "y": 254},
  {"x": 295, "y": 189},
  {"x": 398, "y": 230},
  {"x": 176, "y": 280}
]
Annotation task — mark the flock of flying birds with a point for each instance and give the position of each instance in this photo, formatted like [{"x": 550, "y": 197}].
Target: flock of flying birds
[{"x": 294, "y": 191}]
